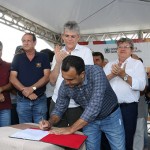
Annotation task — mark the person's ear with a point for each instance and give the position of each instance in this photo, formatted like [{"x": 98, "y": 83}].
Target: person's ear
[
  {"x": 83, "y": 74},
  {"x": 78, "y": 37}
]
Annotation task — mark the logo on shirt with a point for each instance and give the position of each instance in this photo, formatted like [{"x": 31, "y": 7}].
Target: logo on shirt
[{"x": 38, "y": 65}]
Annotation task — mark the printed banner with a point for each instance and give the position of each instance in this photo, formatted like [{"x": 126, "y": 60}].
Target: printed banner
[{"x": 109, "y": 50}]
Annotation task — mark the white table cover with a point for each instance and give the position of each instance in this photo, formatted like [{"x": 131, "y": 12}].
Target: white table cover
[{"x": 7, "y": 143}]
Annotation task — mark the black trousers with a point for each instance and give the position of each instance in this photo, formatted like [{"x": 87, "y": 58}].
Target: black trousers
[
  {"x": 129, "y": 114},
  {"x": 14, "y": 115},
  {"x": 69, "y": 117},
  {"x": 104, "y": 142},
  {"x": 49, "y": 99}
]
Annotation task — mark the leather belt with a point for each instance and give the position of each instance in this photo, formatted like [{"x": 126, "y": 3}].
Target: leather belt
[
  {"x": 114, "y": 109},
  {"x": 127, "y": 104}
]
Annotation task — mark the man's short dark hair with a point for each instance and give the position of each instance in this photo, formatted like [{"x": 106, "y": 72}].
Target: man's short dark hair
[
  {"x": 19, "y": 49},
  {"x": 98, "y": 54},
  {"x": 73, "y": 62},
  {"x": 49, "y": 53},
  {"x": 33, "y": 36}
]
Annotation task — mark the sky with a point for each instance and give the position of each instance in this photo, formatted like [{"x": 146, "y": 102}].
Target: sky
[{"x": 11, "y": 38}]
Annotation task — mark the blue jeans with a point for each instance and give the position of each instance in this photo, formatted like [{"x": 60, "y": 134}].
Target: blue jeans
[
  {"x": 113, "y": 128},
  {"x": 5, "y": 117},
  {"x": 31, "y": 110}
]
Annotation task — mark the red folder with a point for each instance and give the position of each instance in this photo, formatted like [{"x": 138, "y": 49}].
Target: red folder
[{"x": 70, "y": 140}]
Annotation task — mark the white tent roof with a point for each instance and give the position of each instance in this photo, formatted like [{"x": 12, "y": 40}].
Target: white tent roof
[{"x": 93, "y": 16}]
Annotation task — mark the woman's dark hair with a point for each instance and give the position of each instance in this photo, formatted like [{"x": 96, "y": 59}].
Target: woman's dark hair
[{"x": 73, "y": 62}]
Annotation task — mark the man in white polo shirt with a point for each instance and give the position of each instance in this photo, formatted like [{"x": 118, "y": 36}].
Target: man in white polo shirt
[
  {"x": 70, "y": 36},
  {"x": 127, "y": 78}
]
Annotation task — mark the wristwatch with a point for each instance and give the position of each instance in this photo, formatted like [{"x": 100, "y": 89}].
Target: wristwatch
[
  {"x": 125, "y": 78},
  {"x": 34, "y": 88}
]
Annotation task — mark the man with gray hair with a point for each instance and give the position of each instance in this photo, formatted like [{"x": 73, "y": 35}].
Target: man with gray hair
[
  {"x": 70, "y": 36},
  {"x": 127, "y": 78},
  {"x": 5, "y": 86}
]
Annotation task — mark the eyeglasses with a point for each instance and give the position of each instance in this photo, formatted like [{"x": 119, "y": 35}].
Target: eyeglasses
[{"x": 124, "y": 47}]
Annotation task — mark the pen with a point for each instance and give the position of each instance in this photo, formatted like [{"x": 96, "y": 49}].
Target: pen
[{"x": 43, "y": 120}]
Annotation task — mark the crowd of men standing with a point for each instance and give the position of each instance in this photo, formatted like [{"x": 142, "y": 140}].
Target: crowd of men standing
[{"x": 101, "y": 100}]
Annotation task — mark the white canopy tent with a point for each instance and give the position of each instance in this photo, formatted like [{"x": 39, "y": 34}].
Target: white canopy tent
[
  {"x": 93, "y": 16},
  {"x": 97, "y": 18}
]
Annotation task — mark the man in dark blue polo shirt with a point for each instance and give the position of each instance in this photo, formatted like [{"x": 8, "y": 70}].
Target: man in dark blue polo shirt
[
  {"x": 29, "y": 75},
  {"x": 89, "y": 87}
]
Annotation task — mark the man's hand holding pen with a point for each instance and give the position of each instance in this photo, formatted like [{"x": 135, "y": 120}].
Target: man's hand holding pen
[{"x": 45, "y": 125}]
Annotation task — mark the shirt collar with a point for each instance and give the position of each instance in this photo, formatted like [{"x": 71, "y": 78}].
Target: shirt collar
[
  {"x": 76, "y": 48},
  {"x": 85, "y": 81},
  {"x": 128, "y": 59},
  {"x": 36, "y": 53}
]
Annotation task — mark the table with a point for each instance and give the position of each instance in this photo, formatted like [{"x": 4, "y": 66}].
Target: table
[{"x": 7, "y": 143}]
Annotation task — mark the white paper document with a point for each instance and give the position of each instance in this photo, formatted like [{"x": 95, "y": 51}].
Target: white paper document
[{"x": 30, "y": 134}]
